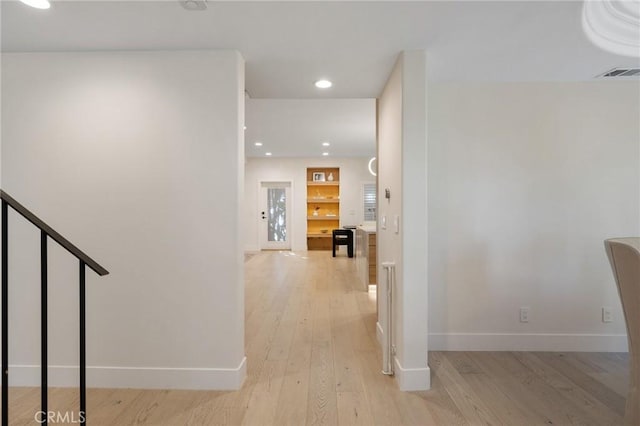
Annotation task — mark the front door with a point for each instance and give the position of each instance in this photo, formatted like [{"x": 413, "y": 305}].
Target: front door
[{"x": 275, "y": 205}]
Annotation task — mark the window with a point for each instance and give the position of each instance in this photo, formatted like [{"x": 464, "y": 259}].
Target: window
[{"x": 369, "y": 198}]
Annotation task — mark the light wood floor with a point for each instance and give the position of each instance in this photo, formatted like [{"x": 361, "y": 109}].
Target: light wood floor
[{"x": 313, "y": 359}]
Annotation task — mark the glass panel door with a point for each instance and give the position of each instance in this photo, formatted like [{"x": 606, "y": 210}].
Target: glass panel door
[
  {"x": 276, "y": 214},
  {"x": 275, "y": 202}
]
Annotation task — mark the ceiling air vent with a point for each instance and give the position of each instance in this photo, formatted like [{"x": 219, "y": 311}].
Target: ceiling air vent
[{"x": 621, "y": 72}]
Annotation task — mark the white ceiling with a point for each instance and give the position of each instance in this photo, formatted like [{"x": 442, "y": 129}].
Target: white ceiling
[
  {"x": 289, "y": 45},
  {"x": 297, "y": 127}
]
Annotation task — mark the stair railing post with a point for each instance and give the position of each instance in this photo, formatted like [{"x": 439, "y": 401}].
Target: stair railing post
[
  {"x": 83, "y": 352},
  {"x": 44, "y": 362},
  {"x": 5, "y": 313}
]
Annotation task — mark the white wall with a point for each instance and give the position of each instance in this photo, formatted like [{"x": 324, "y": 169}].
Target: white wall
[
  {"x": 353, "y": 173},
  {"x": 402, "y": 150},
  {"x": 137, "y": 158},
  {"x": 526, "y": 180}
]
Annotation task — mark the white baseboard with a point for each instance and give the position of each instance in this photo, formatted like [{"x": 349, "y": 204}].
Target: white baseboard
[
  {"x": 134, "y": 377},
  {"x": 546, "y": 342},
  {"x": 412, "y": 379},
  {"x": 409, "y": 379}
]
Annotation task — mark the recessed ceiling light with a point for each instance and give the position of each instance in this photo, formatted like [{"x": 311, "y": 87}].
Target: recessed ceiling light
[
  {"x": 38, "y": 4},
  {"x": 245, "y": 127},
  {"x": 325, "y": 144},
  {"x": 258, "y": 144},
  {"x": 268, "y": 154},
  {"x": 323, "y": 84},
  {"x": 325, "y": 154}
]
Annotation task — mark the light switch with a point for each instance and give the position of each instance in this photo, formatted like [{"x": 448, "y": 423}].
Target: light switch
[
  {"x": 383, "y": 222},
  {"x": 396, "y": 224}
]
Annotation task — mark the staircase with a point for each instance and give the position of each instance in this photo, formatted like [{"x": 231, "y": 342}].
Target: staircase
[{"x": 46, "y": 233}]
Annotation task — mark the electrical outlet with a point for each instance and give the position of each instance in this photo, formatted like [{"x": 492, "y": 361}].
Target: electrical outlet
[
  {"x": 607, "y": 316},
  {"x": 524, "y": 314}
]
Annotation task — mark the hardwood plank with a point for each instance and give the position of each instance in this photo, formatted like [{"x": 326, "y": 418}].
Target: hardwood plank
[
  {"x": 210, "y": 408},
  {"x": 379, "y": 389},
  {"x": 414, "y": 409},
  {"x": 141, "y": 407},
  {"x": 292, "y": 403},
  {"x": 346, "y": 367},
  {"x": 613, "y": 369},
  {"x": 353, "y": 409},
  {"x": 322, "y": 405},
  {"x": 179, "y": 407},
  {"x": 463, "y": 395},
  {"x": 603, "y": 362},
  {"x": 291, "y": 407},
  {"x": 104, "y": 406},
  {"x": 616, "y": 382},
  {"x": 264, "y": 397},
  {"x": 587, "y": 402},
  {"x": 512, "y": 376},
  {"x": 442, "y": 408},
  {"x": 570, "y": 367},
  {"x": 24, "y": 403},
  {"x": 502, "y": 403},
  {"x": 261, "y": 409}
]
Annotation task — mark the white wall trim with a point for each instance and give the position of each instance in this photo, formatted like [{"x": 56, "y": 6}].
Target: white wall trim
[
  {"x": 412, "y": 379},
  {"x": 134, "y": 377},
  {"x": 528, "y": 342},
  {"x": 409, "y": 379}
]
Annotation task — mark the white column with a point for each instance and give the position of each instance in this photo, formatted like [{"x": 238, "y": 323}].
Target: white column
[{"x": 402, "y": 239}]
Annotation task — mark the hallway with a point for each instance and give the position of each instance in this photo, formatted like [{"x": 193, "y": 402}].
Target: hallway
[
  {"x": 310, "y": 332},
  {"x": 313, "y": 359}
]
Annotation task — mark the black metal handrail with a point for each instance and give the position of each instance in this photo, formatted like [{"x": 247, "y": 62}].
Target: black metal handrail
[{"x": 45, "y": 232}]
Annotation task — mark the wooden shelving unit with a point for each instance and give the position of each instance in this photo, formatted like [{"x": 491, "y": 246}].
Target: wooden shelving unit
[{"x": 323, "y": 207}]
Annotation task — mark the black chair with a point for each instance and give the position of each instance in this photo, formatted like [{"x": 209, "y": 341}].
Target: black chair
[{"x": 342, "y": 237}]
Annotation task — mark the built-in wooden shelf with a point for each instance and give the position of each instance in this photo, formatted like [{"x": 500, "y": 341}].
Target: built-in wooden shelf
[
  {"x": 323, "y": 200},
  {"x": 320, "y": 183},
  {"x": 323, "y": 197}
]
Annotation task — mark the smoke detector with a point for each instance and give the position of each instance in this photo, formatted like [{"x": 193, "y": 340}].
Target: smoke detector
[
  {"x": 194, "y": 4},
  {"x": 621, "y": 72}
]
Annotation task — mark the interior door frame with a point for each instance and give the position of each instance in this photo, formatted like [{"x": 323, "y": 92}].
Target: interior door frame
[{"x": 289, "y": 217}]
